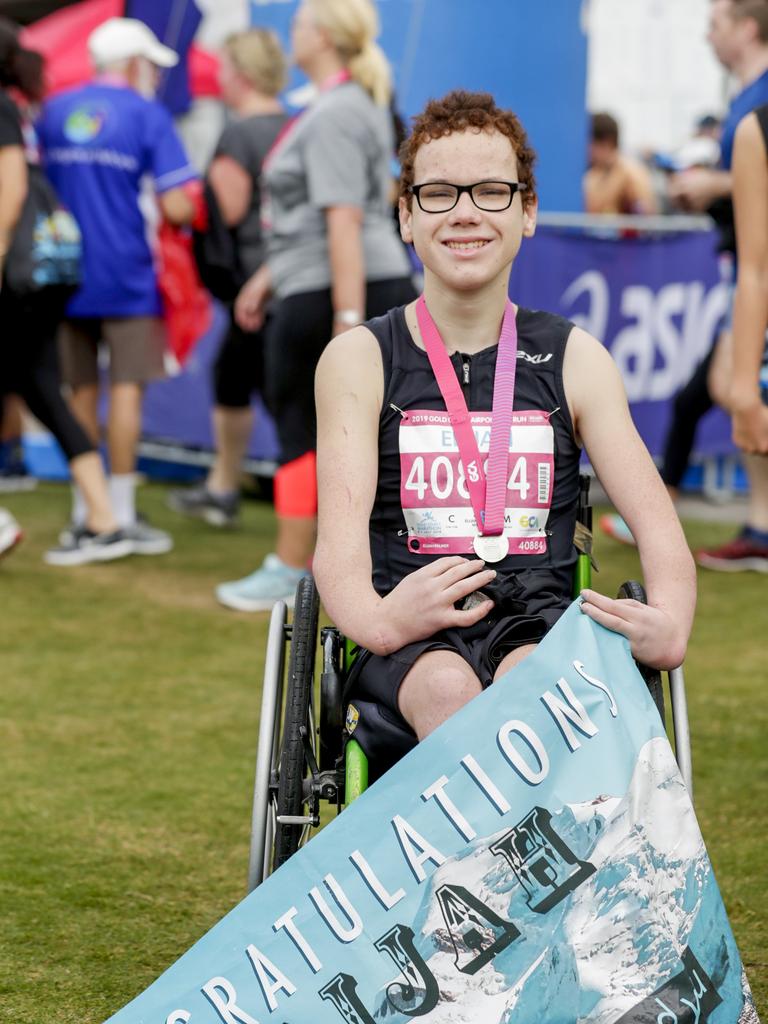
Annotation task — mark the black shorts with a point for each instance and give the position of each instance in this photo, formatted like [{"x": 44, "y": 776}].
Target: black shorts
[
  {"x": 374, "y": 680},
  {"x": 239, "y": 368}
]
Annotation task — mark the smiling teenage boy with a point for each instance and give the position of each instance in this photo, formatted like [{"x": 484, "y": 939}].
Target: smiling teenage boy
[{"x": 446, "y": 520}]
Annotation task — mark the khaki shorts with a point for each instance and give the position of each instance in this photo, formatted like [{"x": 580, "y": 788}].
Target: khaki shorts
[{"x": 136, "y": 345}]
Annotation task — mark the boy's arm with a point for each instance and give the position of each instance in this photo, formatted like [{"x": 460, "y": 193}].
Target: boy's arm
[
  {"x": 658, "y": 632},
  {"x": 348, "y": 394}
]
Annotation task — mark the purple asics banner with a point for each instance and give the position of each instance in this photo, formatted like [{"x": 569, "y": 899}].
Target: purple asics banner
[{"x": 655, "y": 302}]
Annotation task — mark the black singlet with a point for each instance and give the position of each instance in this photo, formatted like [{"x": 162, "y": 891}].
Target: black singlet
[{"x": 409, "y": 383}]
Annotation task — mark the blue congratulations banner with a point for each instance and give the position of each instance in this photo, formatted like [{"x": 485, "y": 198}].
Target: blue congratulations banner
[{"x": 537, "y": 858}]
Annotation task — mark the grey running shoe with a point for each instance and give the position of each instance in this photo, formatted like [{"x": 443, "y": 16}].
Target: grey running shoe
[
  {"x": 85, "y": 546},
  {"x": 148, "y": 540},
  {"x": 198, "y": 502}
]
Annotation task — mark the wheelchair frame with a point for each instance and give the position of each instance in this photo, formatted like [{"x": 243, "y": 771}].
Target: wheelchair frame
[{"x": 301, "y": 761}]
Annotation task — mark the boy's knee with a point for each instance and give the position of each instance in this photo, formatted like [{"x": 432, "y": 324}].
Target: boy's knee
[{"x": 437, "y": 684}]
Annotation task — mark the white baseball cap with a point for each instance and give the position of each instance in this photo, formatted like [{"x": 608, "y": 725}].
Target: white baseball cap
[{"x": 122, "y": 38}]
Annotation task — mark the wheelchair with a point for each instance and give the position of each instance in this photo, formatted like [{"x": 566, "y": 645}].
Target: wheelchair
[{"x": 304, "y": 755}]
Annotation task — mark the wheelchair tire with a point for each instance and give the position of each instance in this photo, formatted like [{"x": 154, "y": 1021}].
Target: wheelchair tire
[
  {"x": 634, "y": 591},
  {"x": 293, "y": 759}
]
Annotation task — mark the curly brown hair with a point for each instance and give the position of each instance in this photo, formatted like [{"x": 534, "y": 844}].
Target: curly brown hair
[{"x": 460, "y": 111}]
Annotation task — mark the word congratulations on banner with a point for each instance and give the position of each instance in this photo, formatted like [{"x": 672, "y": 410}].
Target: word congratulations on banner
[{"x": 536, "y": 859}]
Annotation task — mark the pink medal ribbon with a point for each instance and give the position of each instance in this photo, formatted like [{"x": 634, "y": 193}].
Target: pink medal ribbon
[{"x": 487, "y": 491}]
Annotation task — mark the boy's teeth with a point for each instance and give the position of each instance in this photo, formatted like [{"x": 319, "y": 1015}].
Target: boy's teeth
[{"x": 465, "y": 245}]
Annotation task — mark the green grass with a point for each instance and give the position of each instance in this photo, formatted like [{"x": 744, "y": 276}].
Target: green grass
[{"x": 128, "y": 724}]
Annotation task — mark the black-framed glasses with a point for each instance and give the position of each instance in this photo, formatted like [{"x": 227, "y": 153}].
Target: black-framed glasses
[{"x": 441, "y": 196}]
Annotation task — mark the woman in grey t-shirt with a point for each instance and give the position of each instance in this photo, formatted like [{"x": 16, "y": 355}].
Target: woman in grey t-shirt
[
  {"x": 252, "y": 74},
  {"x": 333, "y": 258}
]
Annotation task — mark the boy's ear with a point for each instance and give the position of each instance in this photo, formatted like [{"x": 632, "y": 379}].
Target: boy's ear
[
  {"x": 530, "y": 211},
  {"x": 406, "y": 218}
]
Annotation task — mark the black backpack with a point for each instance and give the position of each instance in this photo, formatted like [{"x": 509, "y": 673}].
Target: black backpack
[
  {"x": 216, "y": 255},
  {"x": 46, "y": 248}
]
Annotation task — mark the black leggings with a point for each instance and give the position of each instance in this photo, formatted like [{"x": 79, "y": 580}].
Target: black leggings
[
  {"x": 296, "y": 337},
  {"x": 29, "y": 366},
  {"x": 688, "y": 408},
  {"x": 239, "y": 368}
]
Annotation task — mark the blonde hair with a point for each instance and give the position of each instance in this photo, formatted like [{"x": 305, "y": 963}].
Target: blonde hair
[
  {"x": 353, "y": 26},
  {"x": 257, "y": 55}
]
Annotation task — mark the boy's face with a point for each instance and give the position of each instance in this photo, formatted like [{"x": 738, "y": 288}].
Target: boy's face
[{"x": 467, "y": 247}]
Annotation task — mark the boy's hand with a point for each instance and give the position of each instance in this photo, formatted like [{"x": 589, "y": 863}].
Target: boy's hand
[
  {"x": 423, "y": 603},
  {"x": 654, "y": 637}
]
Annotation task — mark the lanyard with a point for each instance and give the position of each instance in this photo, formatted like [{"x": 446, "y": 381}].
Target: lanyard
[{"x": 487, "y": 496}]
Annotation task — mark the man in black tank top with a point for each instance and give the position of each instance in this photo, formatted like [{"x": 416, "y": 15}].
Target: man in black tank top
[{"x": 449, "y": 436}]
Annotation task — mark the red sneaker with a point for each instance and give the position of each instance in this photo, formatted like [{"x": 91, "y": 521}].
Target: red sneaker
[{"x": 739, "y": 555}]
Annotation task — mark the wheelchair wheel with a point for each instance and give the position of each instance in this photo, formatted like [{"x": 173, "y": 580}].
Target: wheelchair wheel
[
  {"x": 634, "y": 591},
  {"x": 298, "y": 725}
]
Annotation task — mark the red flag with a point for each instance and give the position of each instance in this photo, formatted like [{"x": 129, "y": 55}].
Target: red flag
[{"x": 62, "y": 38}]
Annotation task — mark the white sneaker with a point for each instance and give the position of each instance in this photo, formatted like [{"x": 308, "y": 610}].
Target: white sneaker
[
  {"x": 272, "y": 582},
  {"x": 11, "y": 533}
]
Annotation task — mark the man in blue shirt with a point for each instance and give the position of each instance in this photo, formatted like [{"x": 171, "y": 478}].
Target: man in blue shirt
[{"x": 114, "y": 157}]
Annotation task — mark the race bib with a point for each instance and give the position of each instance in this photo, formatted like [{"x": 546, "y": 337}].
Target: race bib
[{"x": 433, "y": 482}]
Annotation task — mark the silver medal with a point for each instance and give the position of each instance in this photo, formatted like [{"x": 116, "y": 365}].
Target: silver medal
[{"x": 491, "y": 548}]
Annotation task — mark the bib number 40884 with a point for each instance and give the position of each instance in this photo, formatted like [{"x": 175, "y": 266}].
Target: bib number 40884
[{"x": 440, "y": 477}]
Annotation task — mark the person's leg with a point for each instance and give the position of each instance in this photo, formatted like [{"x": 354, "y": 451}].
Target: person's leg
[
  {"x": 294, "y": 346},
  {"x": 749, "y": 550},
  {"x": 136, "y": 353},
  {"x": 296, "y": 510},
  {"x": 14, "y": 474},
  {"x": 40, "y": 385},
  {"x": 437, "y": 685},
  {"x": 231, "y": 431},
  {"x": 124, "y": 426},
  {"x": 513, "y": 658},
  {"x": 757, "y": 471},
  {"x": 237, "y": 374},
  {"x": 10, "y": 421},
  {"x": 84, "y": 402},
  {"x": 41, "y": 389},
  {"x": 78, "y": 360},
  {"x": 88, "y": 474},
  {"x": 689, "y": 406}
]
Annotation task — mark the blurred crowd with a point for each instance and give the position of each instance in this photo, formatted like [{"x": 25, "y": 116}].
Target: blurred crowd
[{"x": 294, "y": 233}]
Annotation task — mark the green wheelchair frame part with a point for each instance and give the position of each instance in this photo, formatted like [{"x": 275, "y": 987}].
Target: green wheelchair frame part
[{"x": 355, "y": 761}]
